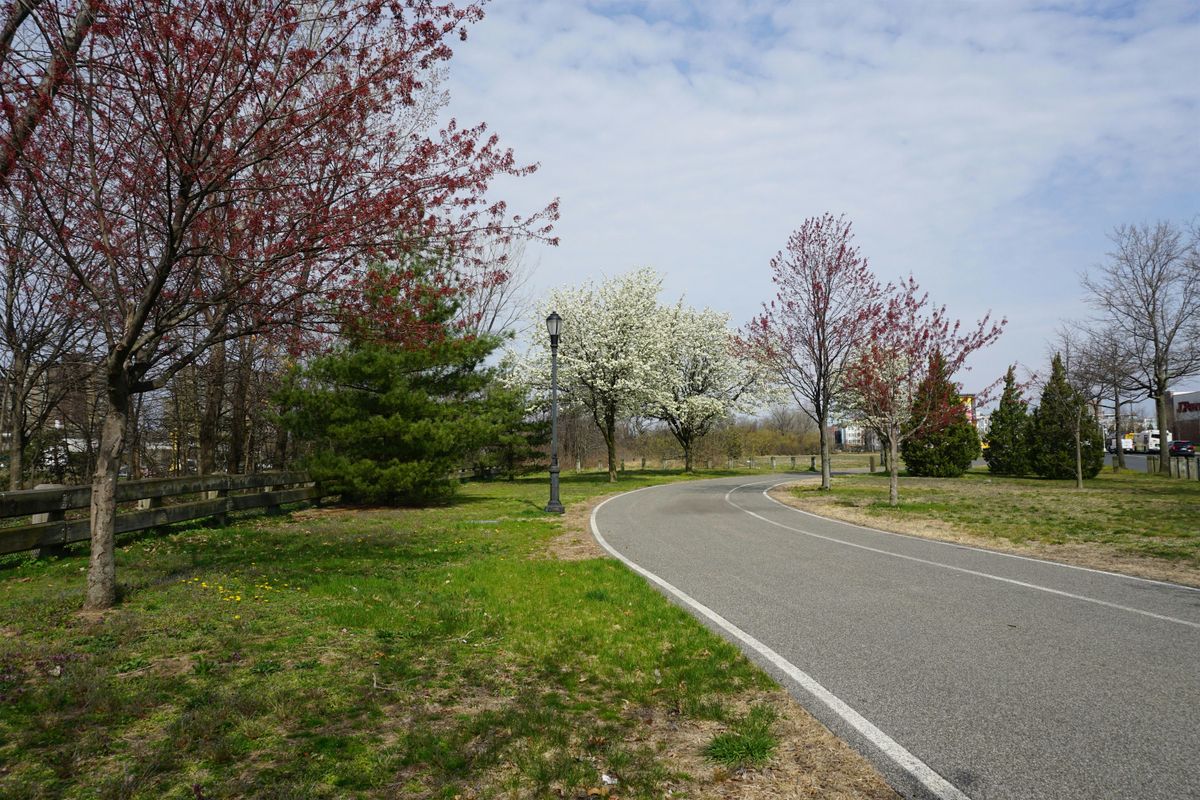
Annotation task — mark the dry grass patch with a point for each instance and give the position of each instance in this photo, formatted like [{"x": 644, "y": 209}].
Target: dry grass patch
[{"x": 576, "y": 542}]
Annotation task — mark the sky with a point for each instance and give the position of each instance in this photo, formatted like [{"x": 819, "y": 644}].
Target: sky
[{"x": 986, "y": 148}]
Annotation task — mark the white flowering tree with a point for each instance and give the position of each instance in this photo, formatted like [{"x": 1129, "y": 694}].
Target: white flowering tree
[
  {"x": 611, "y": 354},
  {"x": 705, "y": 380}
]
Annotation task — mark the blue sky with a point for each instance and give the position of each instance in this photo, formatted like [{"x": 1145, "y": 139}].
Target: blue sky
[{"x": 987, "y": 148}]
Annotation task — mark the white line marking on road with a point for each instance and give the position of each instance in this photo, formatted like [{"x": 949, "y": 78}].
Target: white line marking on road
[
  {"x": 964, "y": 570},
  {"x": 914, "y": 766},
  {"x": 1001, "y": 553}
]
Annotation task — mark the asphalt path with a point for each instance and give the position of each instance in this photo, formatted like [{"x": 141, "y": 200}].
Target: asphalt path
[{"x": 958, "y": 672}]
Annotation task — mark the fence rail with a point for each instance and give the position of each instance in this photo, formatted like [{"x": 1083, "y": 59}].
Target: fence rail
[{"x": 49, "y": 528}]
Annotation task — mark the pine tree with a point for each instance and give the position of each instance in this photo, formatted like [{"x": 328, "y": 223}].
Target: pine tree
[
  {"x": 1060, "y": 422},
  {"x": 1008, "y": 434},
  {"x": 397, "y": 408},
  {"x": 942, "y": 450}
]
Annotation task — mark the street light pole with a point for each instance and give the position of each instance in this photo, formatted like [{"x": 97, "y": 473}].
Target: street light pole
[{"x": 554, "y": 327}]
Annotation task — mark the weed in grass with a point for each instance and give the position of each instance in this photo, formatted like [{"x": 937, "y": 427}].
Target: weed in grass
[
  {"x": 748, "y": 742},
  {"x": 131, "y": 665},
  {"x": 203, "y": 665}
]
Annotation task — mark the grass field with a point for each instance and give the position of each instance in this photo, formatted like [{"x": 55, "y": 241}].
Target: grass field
[
  {"x": 436, "y": 653},
  {"x": 1142, "y": 522}
]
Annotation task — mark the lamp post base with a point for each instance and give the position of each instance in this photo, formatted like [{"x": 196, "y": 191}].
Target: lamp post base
[{"x": 554, "y": 506}]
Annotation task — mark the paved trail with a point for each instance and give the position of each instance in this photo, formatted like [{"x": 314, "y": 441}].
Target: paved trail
[{"x": 960, "y": 673}]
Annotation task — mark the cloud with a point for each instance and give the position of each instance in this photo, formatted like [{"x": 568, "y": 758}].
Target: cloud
[{"x": 986, "y": 148}]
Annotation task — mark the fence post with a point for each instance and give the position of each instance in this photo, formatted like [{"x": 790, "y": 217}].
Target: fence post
[
  {"x": 274, "y": 508},
  {"x": 871, "y": 462},
  {"x": 147, "y": 503},
  {"x": 49, "y": 550},
  {"x": 221, "y": 518},
  {"x": 793, "y": 462},
  {"x": 772, "y": 463}
]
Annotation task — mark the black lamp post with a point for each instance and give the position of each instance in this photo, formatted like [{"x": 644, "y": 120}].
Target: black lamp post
[{"x": 554, "y": 327}]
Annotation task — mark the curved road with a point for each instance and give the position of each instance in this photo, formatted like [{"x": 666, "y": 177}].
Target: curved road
[{"x": 958, "y": 672}]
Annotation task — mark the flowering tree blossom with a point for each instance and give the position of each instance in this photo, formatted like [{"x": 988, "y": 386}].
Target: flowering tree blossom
[
  {"x": 889, "y": 369},
  {"x": 39, "y": 43},
  {"x": 826, "y": 299},
  {"x": 612, "y": 353},
  {"x": 705, "y": 378}
]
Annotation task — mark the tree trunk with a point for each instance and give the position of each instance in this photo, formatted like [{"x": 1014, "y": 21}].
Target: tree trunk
[
  {"x": 237, "y": 416},
  {"x": 826, "y": 471},
  {"x": 1119, "y": 455},
  {"x": 16, "y": 422},
  {"x": 1078, "y": 451},
  {"x": 134, "y": 436},
  {"x": 893, "y": 469},
  {"x": 610, "y": 441},
  {"x": 211, "y": 418},
  {"x": 102, "y": 566},
  {"x": 279, "y": 459},
  {"x": 16, "y": 443},
  {"x": 16, "y": 453},
  {"x": 687, "y": 456},
  {"x": 1160, "y": 411}
]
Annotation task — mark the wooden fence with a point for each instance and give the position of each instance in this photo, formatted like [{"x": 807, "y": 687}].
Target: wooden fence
[{"x": 48, "y": 508}]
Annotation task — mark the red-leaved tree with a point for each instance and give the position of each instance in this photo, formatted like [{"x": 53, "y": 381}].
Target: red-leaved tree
[
  {"x": 826, "y": 299},
  {"x": 888, "y": 372},
  {"x": 39, "y": 43},
  {"x": 216, "y": 168}
]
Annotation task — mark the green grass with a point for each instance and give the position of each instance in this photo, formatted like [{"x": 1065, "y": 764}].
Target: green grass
[
  {"x": 749, "y": 742},
  {"x": 1131, "y": 513},
  {"x": 426, "y": 653}
]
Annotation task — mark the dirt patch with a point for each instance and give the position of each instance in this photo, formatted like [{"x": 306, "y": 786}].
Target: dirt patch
[
  {"x": 576, "y": 543},
  {"x": 1090, "y": 555}
]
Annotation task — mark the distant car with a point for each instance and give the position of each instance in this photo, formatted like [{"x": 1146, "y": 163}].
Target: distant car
[{"x": 1182, "y": 447}]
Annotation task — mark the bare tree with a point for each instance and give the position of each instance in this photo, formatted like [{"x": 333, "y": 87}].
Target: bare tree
[
  {"x": 1111, "y": 361},
  {"x": 1148, "y": 290}
]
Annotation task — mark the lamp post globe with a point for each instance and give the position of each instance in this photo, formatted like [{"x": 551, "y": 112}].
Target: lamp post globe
[{"x": 554, "y": 328}]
